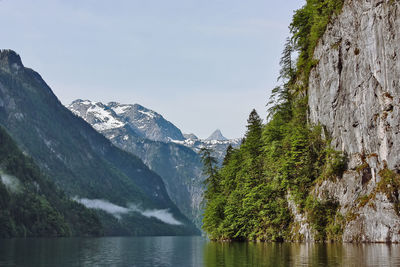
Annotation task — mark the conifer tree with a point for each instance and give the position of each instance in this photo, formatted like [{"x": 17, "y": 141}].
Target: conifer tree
[
  {"x": 228, "y": 155},
  {"x": 253, "y": 134},
  {"x": 253, "y": 146},
  {"x": 210, "y": 170}
]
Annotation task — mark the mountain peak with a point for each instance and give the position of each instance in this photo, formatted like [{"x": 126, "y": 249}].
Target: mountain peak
[
  {"x": 81, "y": 102},
  {"x": 217, "y": 135},
  {"x": 9, "y": 59},
  {"x": 190, "y": 136}
]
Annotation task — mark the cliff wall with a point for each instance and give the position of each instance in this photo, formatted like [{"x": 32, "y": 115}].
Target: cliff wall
[{"x": 354, "y": 92}]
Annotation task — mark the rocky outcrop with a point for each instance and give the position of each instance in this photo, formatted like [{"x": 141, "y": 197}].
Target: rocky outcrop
[{"x": 354, "y": 91}]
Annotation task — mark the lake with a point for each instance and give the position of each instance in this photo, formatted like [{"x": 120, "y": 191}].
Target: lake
[{"x": 188, "y": 251}]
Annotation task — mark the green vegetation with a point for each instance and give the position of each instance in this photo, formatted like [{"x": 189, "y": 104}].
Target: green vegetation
[
  {"x": 390, "y": 186},
  {"x": 247, "y": 198},
  {"x": 77, "y": 158},
  {"x": 325, "y": 219},
  {"x": 308, "y": 25},
  {"x": 30, "y": 205}
]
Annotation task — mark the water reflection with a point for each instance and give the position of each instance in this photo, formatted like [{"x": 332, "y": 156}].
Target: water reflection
[
  {"x": 306, "y": 254},
  {"x": 110, "y": 251},
  {"x": 188, "y": 252}
]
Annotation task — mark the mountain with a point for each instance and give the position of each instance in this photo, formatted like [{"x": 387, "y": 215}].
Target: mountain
[
  {"x": 218, "y": 146},
  {"x": 129, "y": 198},
  {"x": 145, "y": 122},
  {"x": 217, "y": 135},
  {"x": 180, "y": 167},
  {"x": 190, "y": 136},
  {"x": 175, "y": 159},
  {"x": 31, "y": 205}
]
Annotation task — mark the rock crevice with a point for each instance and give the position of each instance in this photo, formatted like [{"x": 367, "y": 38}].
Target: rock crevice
[{"x": 354, "y": 91}]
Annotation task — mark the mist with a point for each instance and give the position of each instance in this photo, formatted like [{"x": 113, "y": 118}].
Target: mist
[
  {"x": 11, "y": 182},
  {"x": 163, "y": 215}
]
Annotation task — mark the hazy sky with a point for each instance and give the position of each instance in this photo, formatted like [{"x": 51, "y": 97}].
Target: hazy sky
[{"x": 202, "y": 64}]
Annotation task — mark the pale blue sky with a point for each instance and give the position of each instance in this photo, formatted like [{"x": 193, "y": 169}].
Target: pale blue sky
[{"x": 202, "y": 64}]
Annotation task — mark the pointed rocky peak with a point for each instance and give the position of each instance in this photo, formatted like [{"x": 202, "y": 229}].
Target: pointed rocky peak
[
  {"x": 217, "y": 135},
  {"x": 10, "y": 60}
]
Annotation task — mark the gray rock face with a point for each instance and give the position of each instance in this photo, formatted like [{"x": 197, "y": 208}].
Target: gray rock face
[
  {"x": 354, "y": 91},
  {"x": 10, "y": 61}
]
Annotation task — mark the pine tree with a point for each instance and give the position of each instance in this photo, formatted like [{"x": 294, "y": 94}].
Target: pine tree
[
  {"x": 210, "y": 170},
  {"x": 228, "y": 155},
  {"x": 253, "y": 146},
  {"x": 215, "y": 201}
]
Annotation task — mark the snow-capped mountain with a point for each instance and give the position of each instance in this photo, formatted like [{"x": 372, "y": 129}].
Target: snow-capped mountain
[
  {"x": 217, "y": 145},
  {"x": 161, "y": 146},
  {"x": 143, "y": 121}
]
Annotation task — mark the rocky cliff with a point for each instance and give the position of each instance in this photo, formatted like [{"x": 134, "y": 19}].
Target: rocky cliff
[{"x": 354, "y": 92}]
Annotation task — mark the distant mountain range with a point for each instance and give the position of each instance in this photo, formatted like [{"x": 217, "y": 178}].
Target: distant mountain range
[
  {"x": 128, "y": 197},
  {"x": 160, "y": 144},
  {"x": 145, "y": 123}
]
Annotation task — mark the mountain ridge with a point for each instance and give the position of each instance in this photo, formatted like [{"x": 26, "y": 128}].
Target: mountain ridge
[
  {"x": 79, "y": 159},
  {"x": 176, "y": 161}
]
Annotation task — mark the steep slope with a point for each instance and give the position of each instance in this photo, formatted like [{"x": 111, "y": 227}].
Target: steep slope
[
  {"x": 79, "y": 159},
  {"x": 179, "y": 166},
  {"x": 175, "y": 160},
  {"x": 31, "y": 205},
  {"x": 354, "y": 92}
]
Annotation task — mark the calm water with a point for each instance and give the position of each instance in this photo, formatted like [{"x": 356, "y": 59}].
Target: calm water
[{"x": 188, "y": 251}]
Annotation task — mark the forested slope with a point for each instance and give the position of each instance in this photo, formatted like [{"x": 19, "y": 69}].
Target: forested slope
[
  {"x": 253, "y": 195},
  {"x": 31, "y": 205}
]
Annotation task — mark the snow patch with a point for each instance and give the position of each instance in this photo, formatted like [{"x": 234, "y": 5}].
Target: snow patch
[
  {"x": 121, "y": 109},
  {"x": 107, "y": 121}
]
